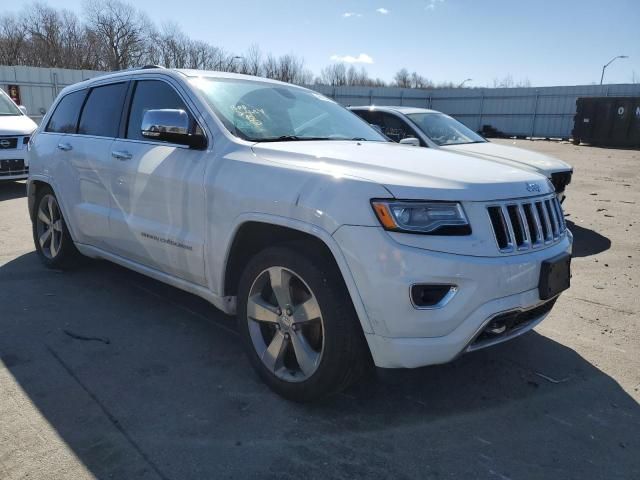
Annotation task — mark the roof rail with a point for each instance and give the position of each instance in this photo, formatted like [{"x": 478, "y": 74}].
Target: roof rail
[{"x": 147, "y": 67}]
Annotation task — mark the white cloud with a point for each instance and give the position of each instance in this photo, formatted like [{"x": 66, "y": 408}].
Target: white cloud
[
  {"x": 383, "y": 11},
  {"x": 362, "y": 58},
  {"x": 351, "y": 14},
  {"x": 432, "y": 4}
]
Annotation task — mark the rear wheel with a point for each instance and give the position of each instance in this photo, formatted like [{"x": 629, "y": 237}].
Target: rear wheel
[
  {"x": 299, "y": 327},
  {"x": 50, "y": 234}
]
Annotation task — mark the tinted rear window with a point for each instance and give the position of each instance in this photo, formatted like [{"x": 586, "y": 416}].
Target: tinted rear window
[
  {"x": 101, "y": 114},
  {"x": 65, "y": 117}
]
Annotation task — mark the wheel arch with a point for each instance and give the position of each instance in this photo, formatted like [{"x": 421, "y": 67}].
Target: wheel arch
[
  {"x": 34, "y": 185},
  {"x": 256, "y": 232}
]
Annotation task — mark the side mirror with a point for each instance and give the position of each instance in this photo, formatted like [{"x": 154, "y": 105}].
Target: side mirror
[
  {"x": 23, "y": 109},
  {"x": 413, "y": 141},
  {"x": 170, "y": 126}
]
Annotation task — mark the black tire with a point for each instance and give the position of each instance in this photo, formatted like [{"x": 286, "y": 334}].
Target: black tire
[
  {"x": 66, "y": 255},
  {"x": 345, "y": 356}
]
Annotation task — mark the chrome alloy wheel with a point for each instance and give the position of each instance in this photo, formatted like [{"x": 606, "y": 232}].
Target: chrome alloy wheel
[
  {"x": 49, "y": 226},
  {"x": 285, "y": 324}
]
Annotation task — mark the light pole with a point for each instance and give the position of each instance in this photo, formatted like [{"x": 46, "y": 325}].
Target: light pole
[
  {"x": 237, "y": 57},
  {"x": 465, "y": 81},
  {"x": 610, "y": 62}
]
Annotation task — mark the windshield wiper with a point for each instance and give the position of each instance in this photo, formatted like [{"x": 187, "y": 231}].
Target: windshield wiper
[{"x": 289, "y": 138}]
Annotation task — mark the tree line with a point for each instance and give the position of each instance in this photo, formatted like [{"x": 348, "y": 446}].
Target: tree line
[{"x": 114, "y": 35}]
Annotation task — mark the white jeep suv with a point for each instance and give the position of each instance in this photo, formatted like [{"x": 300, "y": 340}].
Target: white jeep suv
[
  {"x": 15, "y": 129},
  {"x": 333, "y": 246}
]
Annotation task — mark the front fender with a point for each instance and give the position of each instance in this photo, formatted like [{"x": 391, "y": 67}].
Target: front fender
[{"x": 309, "y": 229}]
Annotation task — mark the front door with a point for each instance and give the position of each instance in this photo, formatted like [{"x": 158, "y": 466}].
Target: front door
[{"x": 158, "y": 201}]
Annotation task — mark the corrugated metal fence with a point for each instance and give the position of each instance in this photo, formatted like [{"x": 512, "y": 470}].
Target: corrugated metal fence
[
  {"x": 529, "y": 112},
  {"x": 38, "y": 87}
]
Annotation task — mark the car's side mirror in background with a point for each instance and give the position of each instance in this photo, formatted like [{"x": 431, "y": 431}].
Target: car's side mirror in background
[
  {"x": 171, "y": 126},
  {"x": 414, "y": 142},
  {"x": 23, "y": 109}
]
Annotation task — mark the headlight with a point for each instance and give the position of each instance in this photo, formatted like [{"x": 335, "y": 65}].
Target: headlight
[{"x": 433, "y": 218}]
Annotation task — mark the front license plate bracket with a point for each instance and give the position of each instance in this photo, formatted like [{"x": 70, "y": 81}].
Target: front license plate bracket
[{"x": 555, "y": 276}]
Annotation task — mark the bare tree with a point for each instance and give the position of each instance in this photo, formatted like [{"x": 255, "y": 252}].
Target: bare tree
[
  {"x": 252, "y": 61},
  {"x": 113, "y": 35},
  {"x": 402, "y": 78},
  {"x": 13, "y": 40},
  {"x": 418, "y": 81},
  {"x": 508, "y": 82},
  {"x": 334, "y": 75},
  {"x": 121, "y": 29},
  {"x": 43, "y": 24}
]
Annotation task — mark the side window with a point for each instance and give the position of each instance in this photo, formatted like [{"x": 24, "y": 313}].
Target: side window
[
  {"x": 363, "y": 114},
  {"x": 102, "y": 110},
  {"x": 65, "y": 116},
  {"x": 151, "y": 95},
  {"x": 372, "y": 118},
  {"x": 396, "y": 129}
]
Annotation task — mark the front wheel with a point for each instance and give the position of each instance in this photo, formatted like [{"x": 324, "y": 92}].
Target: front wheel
[{"x": 298, "y": 324}]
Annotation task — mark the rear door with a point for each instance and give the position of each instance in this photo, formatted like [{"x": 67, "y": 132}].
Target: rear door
[
  {"x": 52, "y": 152},
  {"x": 158, "y": 199}
]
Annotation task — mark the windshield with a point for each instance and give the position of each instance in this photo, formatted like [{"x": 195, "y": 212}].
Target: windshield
[
  {"x": 260, "y": 111},
  {"x": 444, "y": 130},
  {"x": 7, "y": 107}
]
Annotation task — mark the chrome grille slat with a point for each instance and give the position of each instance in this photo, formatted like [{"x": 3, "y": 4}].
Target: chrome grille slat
[
  {"x": 521, "y": 225},
  {"x": 525, "y": 227},
  {"x": 538, "y": 225},
  {"x": 511, "y": 238},
  {"x": 549, "y": 236},
  {"x": 555, "y": 223}
]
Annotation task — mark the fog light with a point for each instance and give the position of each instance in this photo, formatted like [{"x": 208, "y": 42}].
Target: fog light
[{"x": 432, "y": 296}]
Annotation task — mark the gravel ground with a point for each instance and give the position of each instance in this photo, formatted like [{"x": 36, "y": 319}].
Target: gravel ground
[{"x": 164, "y": 391}]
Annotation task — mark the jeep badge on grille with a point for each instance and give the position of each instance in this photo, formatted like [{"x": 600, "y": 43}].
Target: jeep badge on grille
[{"x": 533, "y": 187}]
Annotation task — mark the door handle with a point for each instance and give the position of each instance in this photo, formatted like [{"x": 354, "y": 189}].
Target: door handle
[
  {"x": 65, "y": 147},
  {"x": 121, "y": 155}
]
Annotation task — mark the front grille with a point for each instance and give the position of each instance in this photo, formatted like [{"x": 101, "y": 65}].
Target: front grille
[
  {"x": 9, "y": 168},
  {"x": 508, "y": 324},
  {"x": 560, "y": 180},
  {"x": 7, "y": 143},
  {"x": 520, "y": 225}
]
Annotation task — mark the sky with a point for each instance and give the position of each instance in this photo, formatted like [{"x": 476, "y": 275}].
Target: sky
[{"x": 561, "y": 42}]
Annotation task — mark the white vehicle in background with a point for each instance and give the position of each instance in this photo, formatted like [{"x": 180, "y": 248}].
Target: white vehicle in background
[
  {"x": 333, "y": 246},
  {"x": 15, "y": 131},
  {"x": 433, "y": 129}
]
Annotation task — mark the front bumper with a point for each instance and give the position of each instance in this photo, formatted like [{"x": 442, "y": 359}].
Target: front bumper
[
  {"x": 11, "y": 157},
  {"x": 404, "y": 336}
]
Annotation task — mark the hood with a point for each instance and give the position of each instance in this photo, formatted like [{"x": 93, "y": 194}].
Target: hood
[
  {"x": 512, "y": 156},
  {"x": 409, "y": 172},
  {"x": 16, "y": 125}
]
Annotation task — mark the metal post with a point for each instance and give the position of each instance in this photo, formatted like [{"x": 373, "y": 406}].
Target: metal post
[
  {"x": 535, "y": 111},
  {"x": 371, "y": 96},
  {"x": 481, "y": 110},
  {"x": 55, "y": 84},
  {"x": 401, "y": 96}
]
